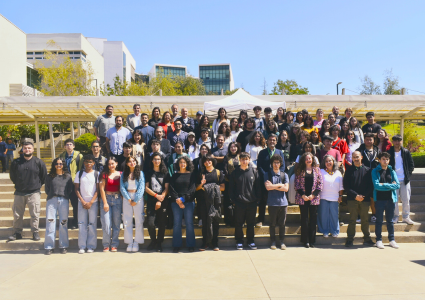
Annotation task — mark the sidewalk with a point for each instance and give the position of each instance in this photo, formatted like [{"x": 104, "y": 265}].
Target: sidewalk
[{"x": 298, "y": 273}]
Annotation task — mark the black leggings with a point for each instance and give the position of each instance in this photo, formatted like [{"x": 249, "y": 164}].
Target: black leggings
[
  {"x": 158, "y": 217},
  {"x": 308, "y": 222}
]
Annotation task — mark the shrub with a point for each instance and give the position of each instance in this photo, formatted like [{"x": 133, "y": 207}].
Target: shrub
[
  {"x": 83, "y": 143},
  {"x": 419, "y": 159}
]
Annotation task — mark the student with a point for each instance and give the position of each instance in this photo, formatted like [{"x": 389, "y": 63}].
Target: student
[
  {"x": 127, "y": 150},
  {"x": 86, "y": 187},
  {"x": 172, "y": 161},
  {"x": 330, "y": 197},
  {"x": 358, "y": 185},
  {"x": 221, "y": 117},
  {"x": 327, "y": 150},
  {"x": 352, "y": 146},
  {"x": 338, "y": 143},
  {"x": 74, "y": 163},
  {"x": 115, "y": 138},
  {"x": 243, "y": 115},
  {"x": 348, "y": 113},
  {"x": 324, "y": 130},
  {"x": 167, "y": 123},
  {"x": 371, "y": 126},
  {"x": 319, "y": 119},
  {"x": 205, "y": 123},
  {"x": 294, "y": 135},
  {"x": 280, "y": 116},
  {"x": 308, "y": 147},
  {"x": 309, "y": 125},
  {"x": 259, "y": 121},
  {"x": 257, "y": 143},
  {"x": 383, "y": 141},
  {"x": 58, "y": 189},
  {"x": 28, "y": 174},
  {"x": 271, "y": 127},
  {"x": 315, "y": 140},
  {"x": 164, "y": 143},
  {"x": 299, "y": 118},
  {"x": 156, "y": 119},
  {"x": 3, "y": 151},
  {"x": 110, "y": 205},
  {"x": 134, "y": 120},
  {"x": 277, "y": 184},
  {"x": 235, "y": 129},
  {"x": 205, "y": 138},
  {"x": 157, "y": 183},
  {"x": 197, "y": 162},
  {"x": 132, "y": 187},
  {"x": 308, "y": 185},
  {"x": 248, "y": 131},
  {"x": 147, "y": 131},
  {"x": 10, "y": 146},
  {"x": 284, "y": 146},
  {"x": 224, "y": 130},
  {"x": 385, "y": 183},
  {"x": 303, "y": 137},
  {"x": 188, "y": 124},
  {"x": 267, "y": 118},
  {"x": 99, "y": 159},
  {"x": 344, "y": 129},
  {"x": 355, "y": 126},
  {"x": 402, "y": 163},
  {"x": 289, "y": 122},
  {"x": 156, "y": 147},
  {"x": 191, "y": 147},
  {"x": 209, "y": 184},
  {"x": 178, "y": 135},
  {"x": 182, "y": 190},
  {"x": 138, "y": 146},
  {"x": 230, "y": 163},
  {"x": 245, "y": 191},
  {"x": 219, "y": 152},
  {"x": 197, "y": 121}
]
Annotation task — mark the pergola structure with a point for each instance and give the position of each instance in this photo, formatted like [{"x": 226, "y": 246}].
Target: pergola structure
[{"x": 36, "y": 110}]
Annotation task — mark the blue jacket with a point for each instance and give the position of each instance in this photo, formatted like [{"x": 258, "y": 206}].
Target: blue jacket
[
  {"x": 384, "y": 187},
  {"x": 140, "y": 184}
]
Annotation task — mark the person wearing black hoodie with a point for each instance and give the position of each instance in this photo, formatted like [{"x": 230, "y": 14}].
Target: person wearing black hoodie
[{"x": 245, "y": 191}]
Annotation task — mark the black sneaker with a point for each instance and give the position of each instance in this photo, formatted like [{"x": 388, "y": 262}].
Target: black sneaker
[
  {"x": 151, "y": 246},
  {"x": 307, "y": 245},
  {"x": 348, "y": 244},
  {"x": 191, "y": 249},
  {"x": 369, "y": 243},
  {"x": 63, "y": 251},
  {"x": 158, "y": 247},
  {"x": 74, "y": 225},
  {"x": 35, "y": 236},
  {"x": 312, "y": 246},
  {"x": 252, "y": 246},
  {"x": 15, "y": 236},
  {"x": 49, "y": 251},
  {"x": 239, "y": 246},
  {"x": 176, "y": 250}
]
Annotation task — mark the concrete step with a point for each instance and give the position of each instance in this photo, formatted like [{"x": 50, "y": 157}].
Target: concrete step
[
  {"x": 10, "y": 194},
  {"x": 10, "y": 187},
  {"x": 418, "y": 176},
  {"x": 225, "y": 242},
  {"x": 418, "y": 190}
]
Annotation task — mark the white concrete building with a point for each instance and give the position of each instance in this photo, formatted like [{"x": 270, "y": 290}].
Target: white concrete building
[
  {"x": 172, "y": 70},
  {"x": 75, "y": 44},
  {"x": 118, "y": 60},
  {"x": 13, "y": 65}
]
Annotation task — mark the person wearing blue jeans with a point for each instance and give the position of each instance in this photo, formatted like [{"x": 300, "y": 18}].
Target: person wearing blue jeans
[
  {"x": 385, "y": 183},
  {"x": 86, "y": 188},
  {"x": 182, "y": 190},
  {"x": 10, "y": 146},
  {"x": 58, "y": 189},
  {"x": 111, "y": 205}
]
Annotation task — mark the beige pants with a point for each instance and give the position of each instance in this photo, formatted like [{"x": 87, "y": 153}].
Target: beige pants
[{"x": 18, "y": 208}]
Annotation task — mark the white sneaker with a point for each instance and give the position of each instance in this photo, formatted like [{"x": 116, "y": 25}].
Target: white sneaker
[
  {"x": 90, "y": 250},
  {"x": 135, "y": 247},
  {"x": 200, "y": 223},
  {"x": 81, "y": 251},
  {"x": 408, "y": 221},
  {"x": 130, "y": 247},
  {"x": 326, "y": 235},
  {"x": 334, "y": 235},
  {"x": 394, "y": 245},
  {"x": 282, "y": 246},
  {"x": 380, "y": 245},
  {"x": 341, "y": 223},
  {"x": 395, "y": 220},
  {"x": 373, "y": 219}
]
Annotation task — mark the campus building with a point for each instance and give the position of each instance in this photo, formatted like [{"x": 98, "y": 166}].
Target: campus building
[
  {"x": 217, "y": 77},
  {"x": 166, "y": 70}
]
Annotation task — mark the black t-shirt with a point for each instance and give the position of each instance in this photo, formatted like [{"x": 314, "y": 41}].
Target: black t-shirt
[
  {"x": 384, "y": 178},
  {"x": 244, "y": 137},
  {"x": 211, "y": 177},
  {"x": 374, "y": 128},
  {"x": 219, "y": 153},
  {"x": 157, "y": 181}
]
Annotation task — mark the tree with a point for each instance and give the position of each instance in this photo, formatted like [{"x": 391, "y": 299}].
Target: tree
[
  {"x": 189, "y": 86},
  {"x": 232, "y": 92},
  {"x": 391, "y": 84},
  {"x": 289, "y": 87},
  {"x": 61, "y": 76},
  {"x": 369, "y": 87},
  {"x": 264, "y": 87}
]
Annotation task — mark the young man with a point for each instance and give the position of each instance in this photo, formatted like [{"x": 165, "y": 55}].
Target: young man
[
  {"x": 172, "y": 161},
  {"x": 359, "y": 188},
  {"x": 28, "y": 174},
  {"x": 3, "y": 151},
  {"x": 155, "y": 147},
  {"x": 264, "y": 166},
  {"x": 99, "y": 160},
  {"x": 348, "y": 113},
  {"x": 205, "y": 139},
  {"x": 385, "y": 183},
  {"x": 134, "y": 120},
  {"x": 244, "y": 137},
  {"x": 86, "y": 186},
  {"x": 188, "y": 125},
  {"x": 178, "y": 134},
  {"x": 165, "y": 144},
  {"x": 327, "y": 150},
  {"x": 127, "y": 148},
  {"x": 174, "y": 112},
  {"x": 277, "y": 184},
  {"x": 103, "y": 124},
  {"x": 199, "y": 115},
  {"x": 401, "y": 161},
  {"x": 10, "y": 146},
  {"x": 335, "y": 111},
  {"x": 219, "y": 152},
  {"x": 259, "y": 121},
  {"x": 371, "y": 126},
  {"x": 74, "y": 163},
  {"x": 245, "y": 190},
  {"x": 115, "y": 138},
  {"x": 267, "y": 116},
  {"x": 148, "y": 132}
]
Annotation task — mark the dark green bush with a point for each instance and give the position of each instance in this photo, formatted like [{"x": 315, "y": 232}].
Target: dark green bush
[
  {"x": 83, "y": 143},
  {"x": 419, "y": 159}
]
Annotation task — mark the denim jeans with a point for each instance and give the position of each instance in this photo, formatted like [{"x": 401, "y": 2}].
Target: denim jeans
[
  {"x": 327, "y": 219},
  {"x": 56, "y": 206},
  {"x": 111, "y": 219},
  {"x": 178, "y": 213},
  {"x": 87, "y": 219},
  {"x": 404, "y": 193},
  {"x": 388, "y": 207},
  {"x": 139, "y": 217}
]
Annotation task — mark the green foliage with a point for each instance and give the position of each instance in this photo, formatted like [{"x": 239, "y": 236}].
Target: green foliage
[
  {"x": 83, "y": 143},
  {"x": 227, "y": 93},
  {"x": 289, "y": 87},
  {"x": 188, "y": 86},
  {"x": 419, "y": 159},
  {"x": 23, "y": 131},
  {"x": 369, "y": 87},
  {"x": 391, "y": 86},
  {"x": 412, "y": 135}
]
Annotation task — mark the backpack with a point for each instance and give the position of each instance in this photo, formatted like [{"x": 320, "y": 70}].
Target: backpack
[{"x": 282, "y": 176}]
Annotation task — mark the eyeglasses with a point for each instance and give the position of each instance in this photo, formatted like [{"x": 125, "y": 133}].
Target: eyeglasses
[
  {"x": 95, "y": 146},
  {"x": 59, "y": 164},
  {"x": 178, "y": 124}
]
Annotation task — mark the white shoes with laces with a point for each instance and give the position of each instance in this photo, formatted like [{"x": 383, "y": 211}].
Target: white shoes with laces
[
  {"x": 380, "y": 245},
  {"x": 408, "y": 221},
  {"x": 394, "y": 244}
]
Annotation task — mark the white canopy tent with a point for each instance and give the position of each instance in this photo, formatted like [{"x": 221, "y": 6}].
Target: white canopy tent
[{"x": 240, "y": 100}]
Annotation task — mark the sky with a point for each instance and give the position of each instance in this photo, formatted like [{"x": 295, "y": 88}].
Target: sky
[{"x": 316, "y": 43}]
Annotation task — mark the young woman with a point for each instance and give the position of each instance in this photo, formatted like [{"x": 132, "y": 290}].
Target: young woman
[
  {"x": 294, "y": 134},
  {"x": 156, "y": 119},
  {"x": 309, "y": 125},
  {"x": 243, "y": 115},
  {"x": 315, "y": 140},
  {"x": 344, "y": 130},
  {"x": 271, "y": 127},
  {"x": 235, "y": 129},
  {"x": 280, "y": 116},
  {"x": 111, "y": 205},
  {"x": 132, "y": 187},
  {"x": 319, "y": 118},
  {"x": 308, "y": 147},
  {"x": 230, "y": 162},
  {"x": 221, "y": 117},
  {"x": 353, "y": 145},
  {"x": 289, "y": 117},
  {"x": 383, "y": 141},
  {"x": 204, "y": 123},
  {"x": 308, "y": 185},
  {"x": 224, "y": 129},
  {"x": 58, "y": 189},
  {"x": 182, "y": 190},
  {"x": 332, "y": 120},
  {"x": 299, "y": 118},
  {"x": 355, "y": 127},
  {"x": 325, "y": 129},
  {"x": 139, "y": 146},
  {"x": 338, "y": 143},
  {"x": 212, "y": 178},
  {"x": 167, "y": 123},
  {"x": 157, "y": 182},
  {"x": 303, "y": 138},
  {"x": 256, "y": 144},
  {"x": 191, "y": 147},
  {"x": 284, "y": 145},
  {"x": 330, "y": 197}
]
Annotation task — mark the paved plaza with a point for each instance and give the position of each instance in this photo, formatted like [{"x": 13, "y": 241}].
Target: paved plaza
[{"x": 298, "y": 273}]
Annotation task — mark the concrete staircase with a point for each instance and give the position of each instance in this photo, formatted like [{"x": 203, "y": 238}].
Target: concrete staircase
[{"x": 404, "y": 233}]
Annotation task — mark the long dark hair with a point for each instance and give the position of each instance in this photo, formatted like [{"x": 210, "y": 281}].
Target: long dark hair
[
  {"x": 357, "y": 124},
  {"x": 268, "y": 128},
  {"x": 226, "y": 132},
  {"x": 218, "y": 113},
  {"x": 53, "y": 169},
  {"x": 343, "y": 134},
  {"x": 237, "y": 125},
  {"x": 313, "y": 149},
  {"x": 201, "y": 125},
  {"x": 238, "y": 151},
  {"x": 262, "y": 139},
  {"x": 243, "y": 111},
  {"x": 162, "y": 167},
  {"x": 163, "y": 117},
  {"x": 189, "y": 164},
  {"x": 206, "y": 146},
  {"x": 142, "y": 140},
  {"x": 136, "y": 172},
  {"x": 322, "y": 129},
  {"x": 310, "y": 118},
  {"x": 187, "y": 144},
  {"x": 156, "y": 107},
  {"x": 276, "y": 118},
  {"x": 302, "y": 166},
  {"x": 105, "y": 171},
  {"x": 279, "y": 138}
]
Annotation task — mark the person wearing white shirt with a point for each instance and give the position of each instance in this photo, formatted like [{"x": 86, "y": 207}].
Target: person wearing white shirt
[
  {"x": 191, "y": 147},
  {"x": 256, "y": 144},
  {"x": 221, "y": 117},
  {"x": 234, "y": 129},
  {"x": 353, "y": 145},
  {"x": 330, "y": 197}
]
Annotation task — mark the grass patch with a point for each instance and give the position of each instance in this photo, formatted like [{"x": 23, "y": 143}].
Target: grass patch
[
  {"x": 393, "y": 129},
  {"x": 419, "y": 159}
]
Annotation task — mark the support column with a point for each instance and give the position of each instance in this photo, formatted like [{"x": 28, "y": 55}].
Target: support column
[
  {"x": 71, "y": 125},
  {"x": 402, "y": 127},
  {"x": 52, "y": 141},
  {"x": 79, "y": 128},
  {"x": 37, "y": 139},
  {"x": 343, "y": 91}
]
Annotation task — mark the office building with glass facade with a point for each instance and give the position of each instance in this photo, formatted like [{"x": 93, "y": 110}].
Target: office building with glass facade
[
  {"x": 216, "y": 77},
  {"x": 166, "y": 70}
]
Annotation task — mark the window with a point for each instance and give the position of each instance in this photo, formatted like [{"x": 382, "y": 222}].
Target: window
[
  {"x": 30, "y": 57},
  {"x": 84, "y": 54},
  {"x": 77, "y": 52},
  {"x": 30, "y": 53},
  {"x": 70, "y": 52},
  {"x": 38, "y": 58},
  {"x": 83, "y": 59},
  {"x": 39, "y": 53}
]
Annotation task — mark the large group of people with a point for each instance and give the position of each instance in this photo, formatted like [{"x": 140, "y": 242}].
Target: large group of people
[{"x": 168, "y": 172}]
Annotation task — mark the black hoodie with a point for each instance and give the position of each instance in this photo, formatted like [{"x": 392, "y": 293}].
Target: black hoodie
[
  {"x": 245, "y": 186},
  {"x": 373, "y": 163}
]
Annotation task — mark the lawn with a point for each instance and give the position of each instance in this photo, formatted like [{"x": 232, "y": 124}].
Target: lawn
[{"x": 393, "y": 129}]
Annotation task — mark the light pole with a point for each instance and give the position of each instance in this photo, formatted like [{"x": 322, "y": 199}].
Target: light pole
[{"x": 337, "y": 92}]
